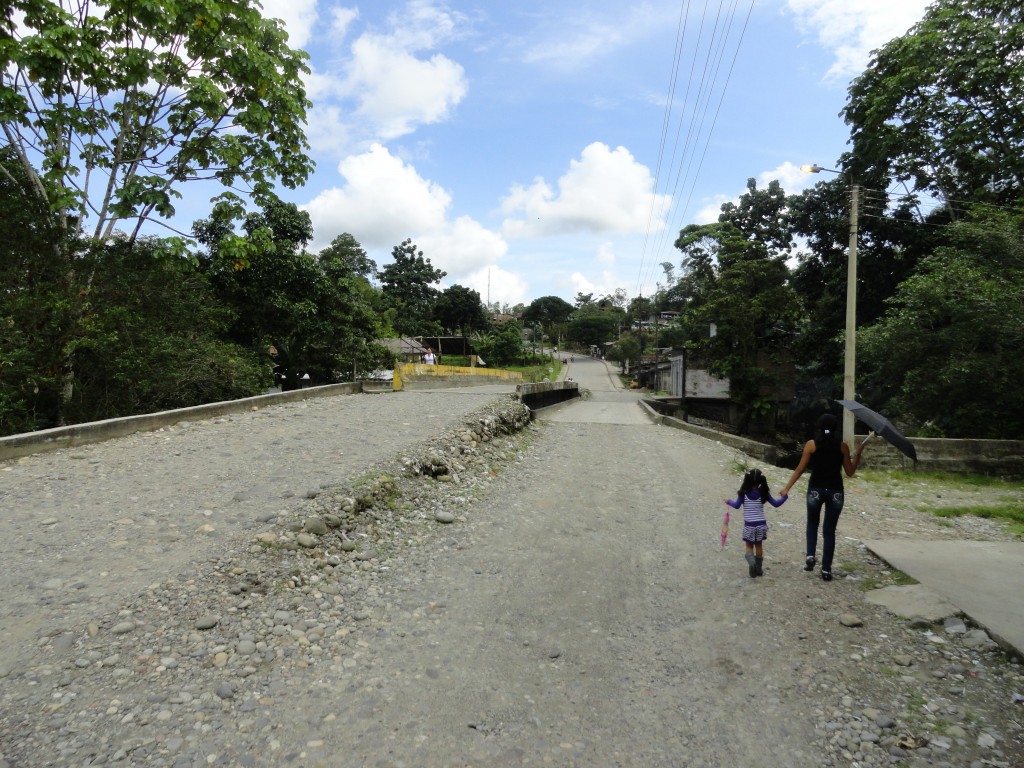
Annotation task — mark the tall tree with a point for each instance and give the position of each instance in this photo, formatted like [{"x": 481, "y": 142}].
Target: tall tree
[
  {"x": 347, "y": 250},
  {"x": 889, "y": 245},
  {"x": 946, "y": 355},
  {"x": 309, "y": 313},
  {"x": 737, "y": 279},
  {"x": 547, "y": 310},
  {"x": 942, "y": 106},
  {"x": 153, "y": 337},
  {"x": 760, "y": 215},
  {"x": 34, "y": 294},
  {"x": 460, "y": 310},
  {"x": 594, "y": 328},
  {"x": 111, "y": 106},
  {"x": 408, "y": 284}
]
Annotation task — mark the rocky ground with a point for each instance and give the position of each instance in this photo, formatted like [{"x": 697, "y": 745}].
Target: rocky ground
[{"x": 502, "y": 594}]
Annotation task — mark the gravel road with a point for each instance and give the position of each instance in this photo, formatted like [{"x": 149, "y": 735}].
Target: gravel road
[{"x": 555, "y": 596}]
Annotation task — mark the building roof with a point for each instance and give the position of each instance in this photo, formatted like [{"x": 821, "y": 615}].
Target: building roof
[{"x": 404, "y": 346}]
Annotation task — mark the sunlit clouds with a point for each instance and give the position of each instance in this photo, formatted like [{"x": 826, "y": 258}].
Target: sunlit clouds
[
  {"x": 851, "y": 29},
  {"x": 518, "y": 144},
  {"x": 604, "y": 190}
]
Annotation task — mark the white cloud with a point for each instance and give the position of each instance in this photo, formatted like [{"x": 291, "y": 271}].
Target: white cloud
[
  {"x": 298, "y": 16},
  {"x": 396, "y": 91},
  {"x": 341, "y": 19},
  {"x": 604, "y": 284},
  {"x": 851, "y": 29},
  {"x": 384, "y": 200},
  {"x": 711, "y": 210},
  {"x": 461, "y": 247},
  {"x": 424, "y": 24},
  {"x": 604, "y": 191},
  {"x": 495, "y": 284},
  {"x": 326, "y": 128},
  {"x": 388, "y": 83},
  {"x": 572, "y": 40}
]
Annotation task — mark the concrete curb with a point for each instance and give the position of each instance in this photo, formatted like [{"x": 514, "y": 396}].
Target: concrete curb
[
  {"x": 44, "y": 440},
  {"x": 767, "y": 453}
]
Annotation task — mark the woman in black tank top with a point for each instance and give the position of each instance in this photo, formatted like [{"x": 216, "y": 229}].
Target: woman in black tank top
[{"x": 828, "y": 457}]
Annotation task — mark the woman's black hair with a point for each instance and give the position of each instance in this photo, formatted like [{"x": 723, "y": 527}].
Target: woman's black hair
[
  {"x": 828, "y": 430},
  {"x": 753, "y": 478}
]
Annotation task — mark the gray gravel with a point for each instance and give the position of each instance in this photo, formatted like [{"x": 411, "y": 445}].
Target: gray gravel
[{"x": 419, "y": 579}]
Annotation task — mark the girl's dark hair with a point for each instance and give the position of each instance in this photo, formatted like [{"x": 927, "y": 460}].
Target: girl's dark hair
[
  {"x": 828, "y": 430},
  {"x": 753, "y": 478}
]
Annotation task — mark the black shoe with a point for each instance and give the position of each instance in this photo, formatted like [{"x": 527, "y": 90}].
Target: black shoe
[
  {"x": 826, "y": 575},
  {"x": 809, "y": 563},
  {"x": 759, "y": 565},
  {"x": 752, "y": 563}
]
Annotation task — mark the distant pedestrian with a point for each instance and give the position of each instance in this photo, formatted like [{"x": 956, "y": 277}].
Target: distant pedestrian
[
  {"x": 751, "y": 497},
  {"x": 828, "y": 457},
  {"x": 430, "y": 358}
]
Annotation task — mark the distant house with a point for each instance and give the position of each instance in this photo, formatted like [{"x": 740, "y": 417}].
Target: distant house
[
  {"x": 447, "y": 345},
  {"x": 404, "y": 349}
]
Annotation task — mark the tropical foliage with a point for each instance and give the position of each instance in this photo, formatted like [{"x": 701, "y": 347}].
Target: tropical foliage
[{"x": 111, "y": 110}]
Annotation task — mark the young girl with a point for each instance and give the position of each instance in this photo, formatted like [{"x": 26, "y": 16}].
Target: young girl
[{"x": 751, "y": 497}]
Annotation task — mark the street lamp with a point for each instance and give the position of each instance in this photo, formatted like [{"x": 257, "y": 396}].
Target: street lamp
[{"x": 850, "y": 358}]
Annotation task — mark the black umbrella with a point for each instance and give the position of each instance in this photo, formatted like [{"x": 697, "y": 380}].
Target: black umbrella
[{"x": 881, "y": 426}]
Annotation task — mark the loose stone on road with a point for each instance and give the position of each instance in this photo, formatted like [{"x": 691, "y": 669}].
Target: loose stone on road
[{"x": 218, "y": 594}]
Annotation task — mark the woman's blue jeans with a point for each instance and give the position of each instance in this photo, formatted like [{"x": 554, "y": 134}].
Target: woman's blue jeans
[{"x": 833, "y": 503}]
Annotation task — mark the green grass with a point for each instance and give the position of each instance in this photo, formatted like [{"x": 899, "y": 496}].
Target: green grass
[
  {"x": 950, "y": 480},
  {"x": 893, "y": 578},
  {"x": 536, "y": 371},
  {"x": 1010, "y": 513}
]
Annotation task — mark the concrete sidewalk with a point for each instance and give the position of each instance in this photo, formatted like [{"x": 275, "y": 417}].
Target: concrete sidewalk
[{"x": 982, "y": 579}]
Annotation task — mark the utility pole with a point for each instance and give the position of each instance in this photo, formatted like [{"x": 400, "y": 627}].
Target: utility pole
[
  {"x": 850, "y": 346},
  {"x": 850, "y": 357}
]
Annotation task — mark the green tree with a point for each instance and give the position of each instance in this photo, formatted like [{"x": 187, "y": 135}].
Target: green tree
[
  {"x": 737, "y": 280},
  {"x": 408, "y": 284},
  {"x": 349, "y": 320},
  {"x": 548, "y": 310},
  {"x": 345, "y": 249},
  {"x": 311, "y": 311},
  {"x": 35, "y": 294},
  {"x": 583, "y": 300},
  {"x": 501, "y": 346},
  {"x": 627, "y": 349},
  {"x": 550, "y": 313},
  {"x": 459, "y": 310},
  {"x": 941, "y": 106},
  {"x": 946, "y": 356},
  {"x": 702, "y": 246},
  {"x": 888, "y": 247},
  {"x": 761, "y": 216},
  {"x": 110, "y": 107},
  {"x": 152, "y": 337},
  {"x": 594, "y": 328}
]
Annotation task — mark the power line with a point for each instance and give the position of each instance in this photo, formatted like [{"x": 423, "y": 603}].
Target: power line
[{"x": 710, "y": 50}]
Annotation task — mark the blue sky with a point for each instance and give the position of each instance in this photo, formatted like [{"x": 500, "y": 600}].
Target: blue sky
[{"x": 542, "y": 148}]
